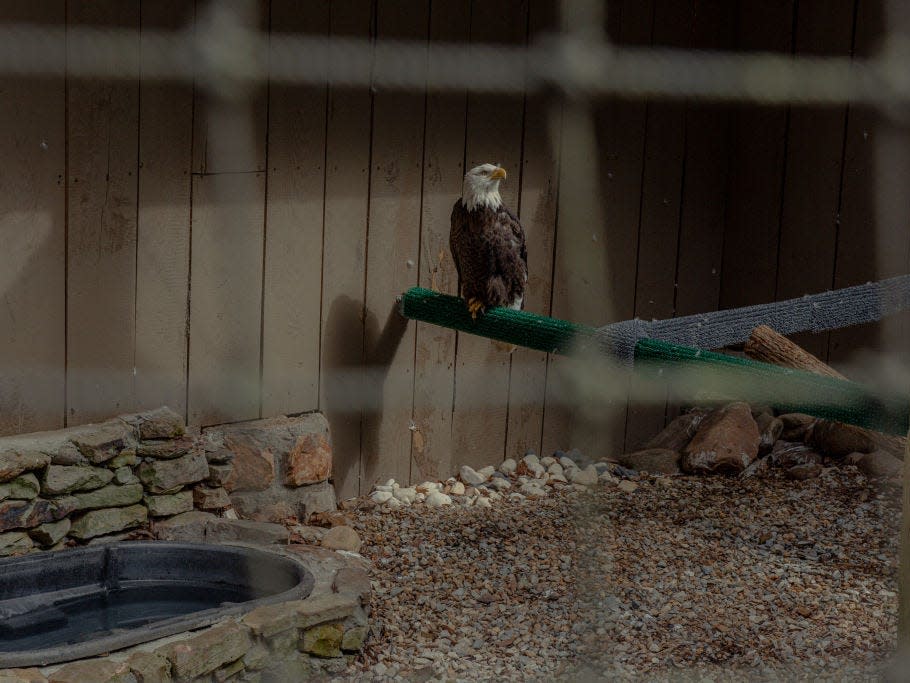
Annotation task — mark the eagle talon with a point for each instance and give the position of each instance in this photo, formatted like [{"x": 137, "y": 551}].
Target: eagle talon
[{"x": 474, "y": 307}]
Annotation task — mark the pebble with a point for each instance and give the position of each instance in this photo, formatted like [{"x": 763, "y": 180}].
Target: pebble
[
  {"x": 458, "y": 489},
  {"x": 380, "y": 496},
  {"x": 516, "y": 589},
  {"x": 437, "y": 499},
  {"x": 393, "y": 503},
  {"x": 486, "y": 472},
  {"x": 508, "y": 466},
  {"x": 566, "y": 463},
  {"x": 342, "y": 538},
  {"x": 500, "y": 484},
  {"x": 405, "y": 495},
  {"x": 585, "y": 477},
  {"x": 532, "y": 490},
  {"x": 470, "y": 476}
]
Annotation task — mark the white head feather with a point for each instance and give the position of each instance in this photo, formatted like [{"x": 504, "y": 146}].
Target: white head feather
[{"x": 481, "y": 187}]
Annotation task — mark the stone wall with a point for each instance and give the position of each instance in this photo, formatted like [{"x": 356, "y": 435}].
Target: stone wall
[{"x": 126, "y": 476}]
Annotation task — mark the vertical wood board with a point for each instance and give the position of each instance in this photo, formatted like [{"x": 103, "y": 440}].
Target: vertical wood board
[
  {"x": 493, "y": 134},
  {"x": 808, "y": 229},
  {"x": 443, "y": 161},
  {"x": 226, "y": 297},
  {"x": 757, "y": 155},
  {"x": 102, "y": 139},
  {"x": 163, "y": 248},
  {"x": 392, "y": 258},
  {"x": 344, "y": 258},
  {"x": 594, "y": 264},
  {"x": 294, "y": 225},
  {"x": 33, "y": 234},
  {"x": 537, "y": 212}
]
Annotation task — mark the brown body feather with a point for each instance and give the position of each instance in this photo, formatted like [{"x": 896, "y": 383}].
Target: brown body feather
[{"x": 490, "y": 254}]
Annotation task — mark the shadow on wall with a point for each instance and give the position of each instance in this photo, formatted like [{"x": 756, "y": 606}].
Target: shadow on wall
[{"x": 351, "y": 390}]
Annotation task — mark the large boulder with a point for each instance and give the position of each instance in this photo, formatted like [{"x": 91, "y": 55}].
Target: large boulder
[
  {"x": 677, "y": 435},
  {"x": 879, "y": 464},
  {"x": 726, "y": 441},
  {"x": 837, "y": 439},
  {"x": 652, "y": 460}
]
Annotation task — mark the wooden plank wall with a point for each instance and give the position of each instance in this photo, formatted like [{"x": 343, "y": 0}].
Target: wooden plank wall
[{"x": 238, "y": 260}]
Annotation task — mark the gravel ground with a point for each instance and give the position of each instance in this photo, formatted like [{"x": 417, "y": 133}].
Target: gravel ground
[{"x": 681, "y": 578}]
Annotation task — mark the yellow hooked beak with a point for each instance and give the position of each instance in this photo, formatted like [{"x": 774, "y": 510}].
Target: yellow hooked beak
[{"x": 499, "y": 173}]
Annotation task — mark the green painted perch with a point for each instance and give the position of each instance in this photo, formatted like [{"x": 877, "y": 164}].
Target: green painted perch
[{"x": 785, "y": 389}]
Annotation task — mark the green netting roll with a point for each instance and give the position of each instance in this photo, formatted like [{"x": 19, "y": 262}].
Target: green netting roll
[{"x": 503, "y": 324}]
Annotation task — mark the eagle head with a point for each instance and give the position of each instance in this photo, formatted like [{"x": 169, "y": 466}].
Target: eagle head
[{"x": 481, "y": 187}]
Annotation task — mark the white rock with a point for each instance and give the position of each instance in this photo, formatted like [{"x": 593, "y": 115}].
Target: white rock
[
  {"x": 607, "y": 478},
  {"x": 486, "y": 471},
  {"x": 500, "y": 484},
  {"x": 555, "y": 468},
  {"x": 383, "y": 487},
  {"x": 407, "y": 496},
  {"x": 436, "y": 499},
  {"x": 530, "y": 460},
  {"x": 458, "y": 488},
  {"x": 470, "y": 502},
  {"x": 508, "y": 466},
  {"x": 547, "y": 461},
  {"x": 566, "y": 462},
  {"x": 493, "y": 495},
  {"x": 557, "y": 478},
  {"x": 428, "y": 486},
  {"x": 484, "y": 503},
  {"x": 391, "y": 483},
  {"x": 627, "y": 486},
  {"x": 586, "y": 477},
  {"x": 532, "y": 491},
  {"x": 395, "y": 503},
  {"x": 523, "y": 479},
  {"x": 516, "y": 496},
  {"x": 470, "y": 476},
  {"x": 421, "y": 497},
  {"x": 230, "y": 513},
  {"x": 381, "y": 496}
]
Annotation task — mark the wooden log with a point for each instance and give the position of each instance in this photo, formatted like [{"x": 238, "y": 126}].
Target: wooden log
[
  {"x": 766, "y": 345},
  {"x": 769, "y": 346}
]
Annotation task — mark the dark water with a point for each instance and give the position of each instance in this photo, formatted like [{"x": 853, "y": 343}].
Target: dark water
[{"x": 86, "y": 617}]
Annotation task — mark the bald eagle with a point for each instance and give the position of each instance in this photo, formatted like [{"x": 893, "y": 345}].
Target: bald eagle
[{"x": 488, "y": 244}]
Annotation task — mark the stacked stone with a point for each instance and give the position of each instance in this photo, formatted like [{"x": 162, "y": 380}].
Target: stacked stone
[
  {"x": 97, "y": 481},
  {"x": 280, "y": 466}
]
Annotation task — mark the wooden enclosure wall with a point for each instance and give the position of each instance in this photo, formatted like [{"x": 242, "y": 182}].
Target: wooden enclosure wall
[{"x": 122, "y": 286}]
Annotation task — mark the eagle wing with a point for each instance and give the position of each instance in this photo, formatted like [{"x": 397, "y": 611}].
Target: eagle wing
[{"x": 490, "y": 254}]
